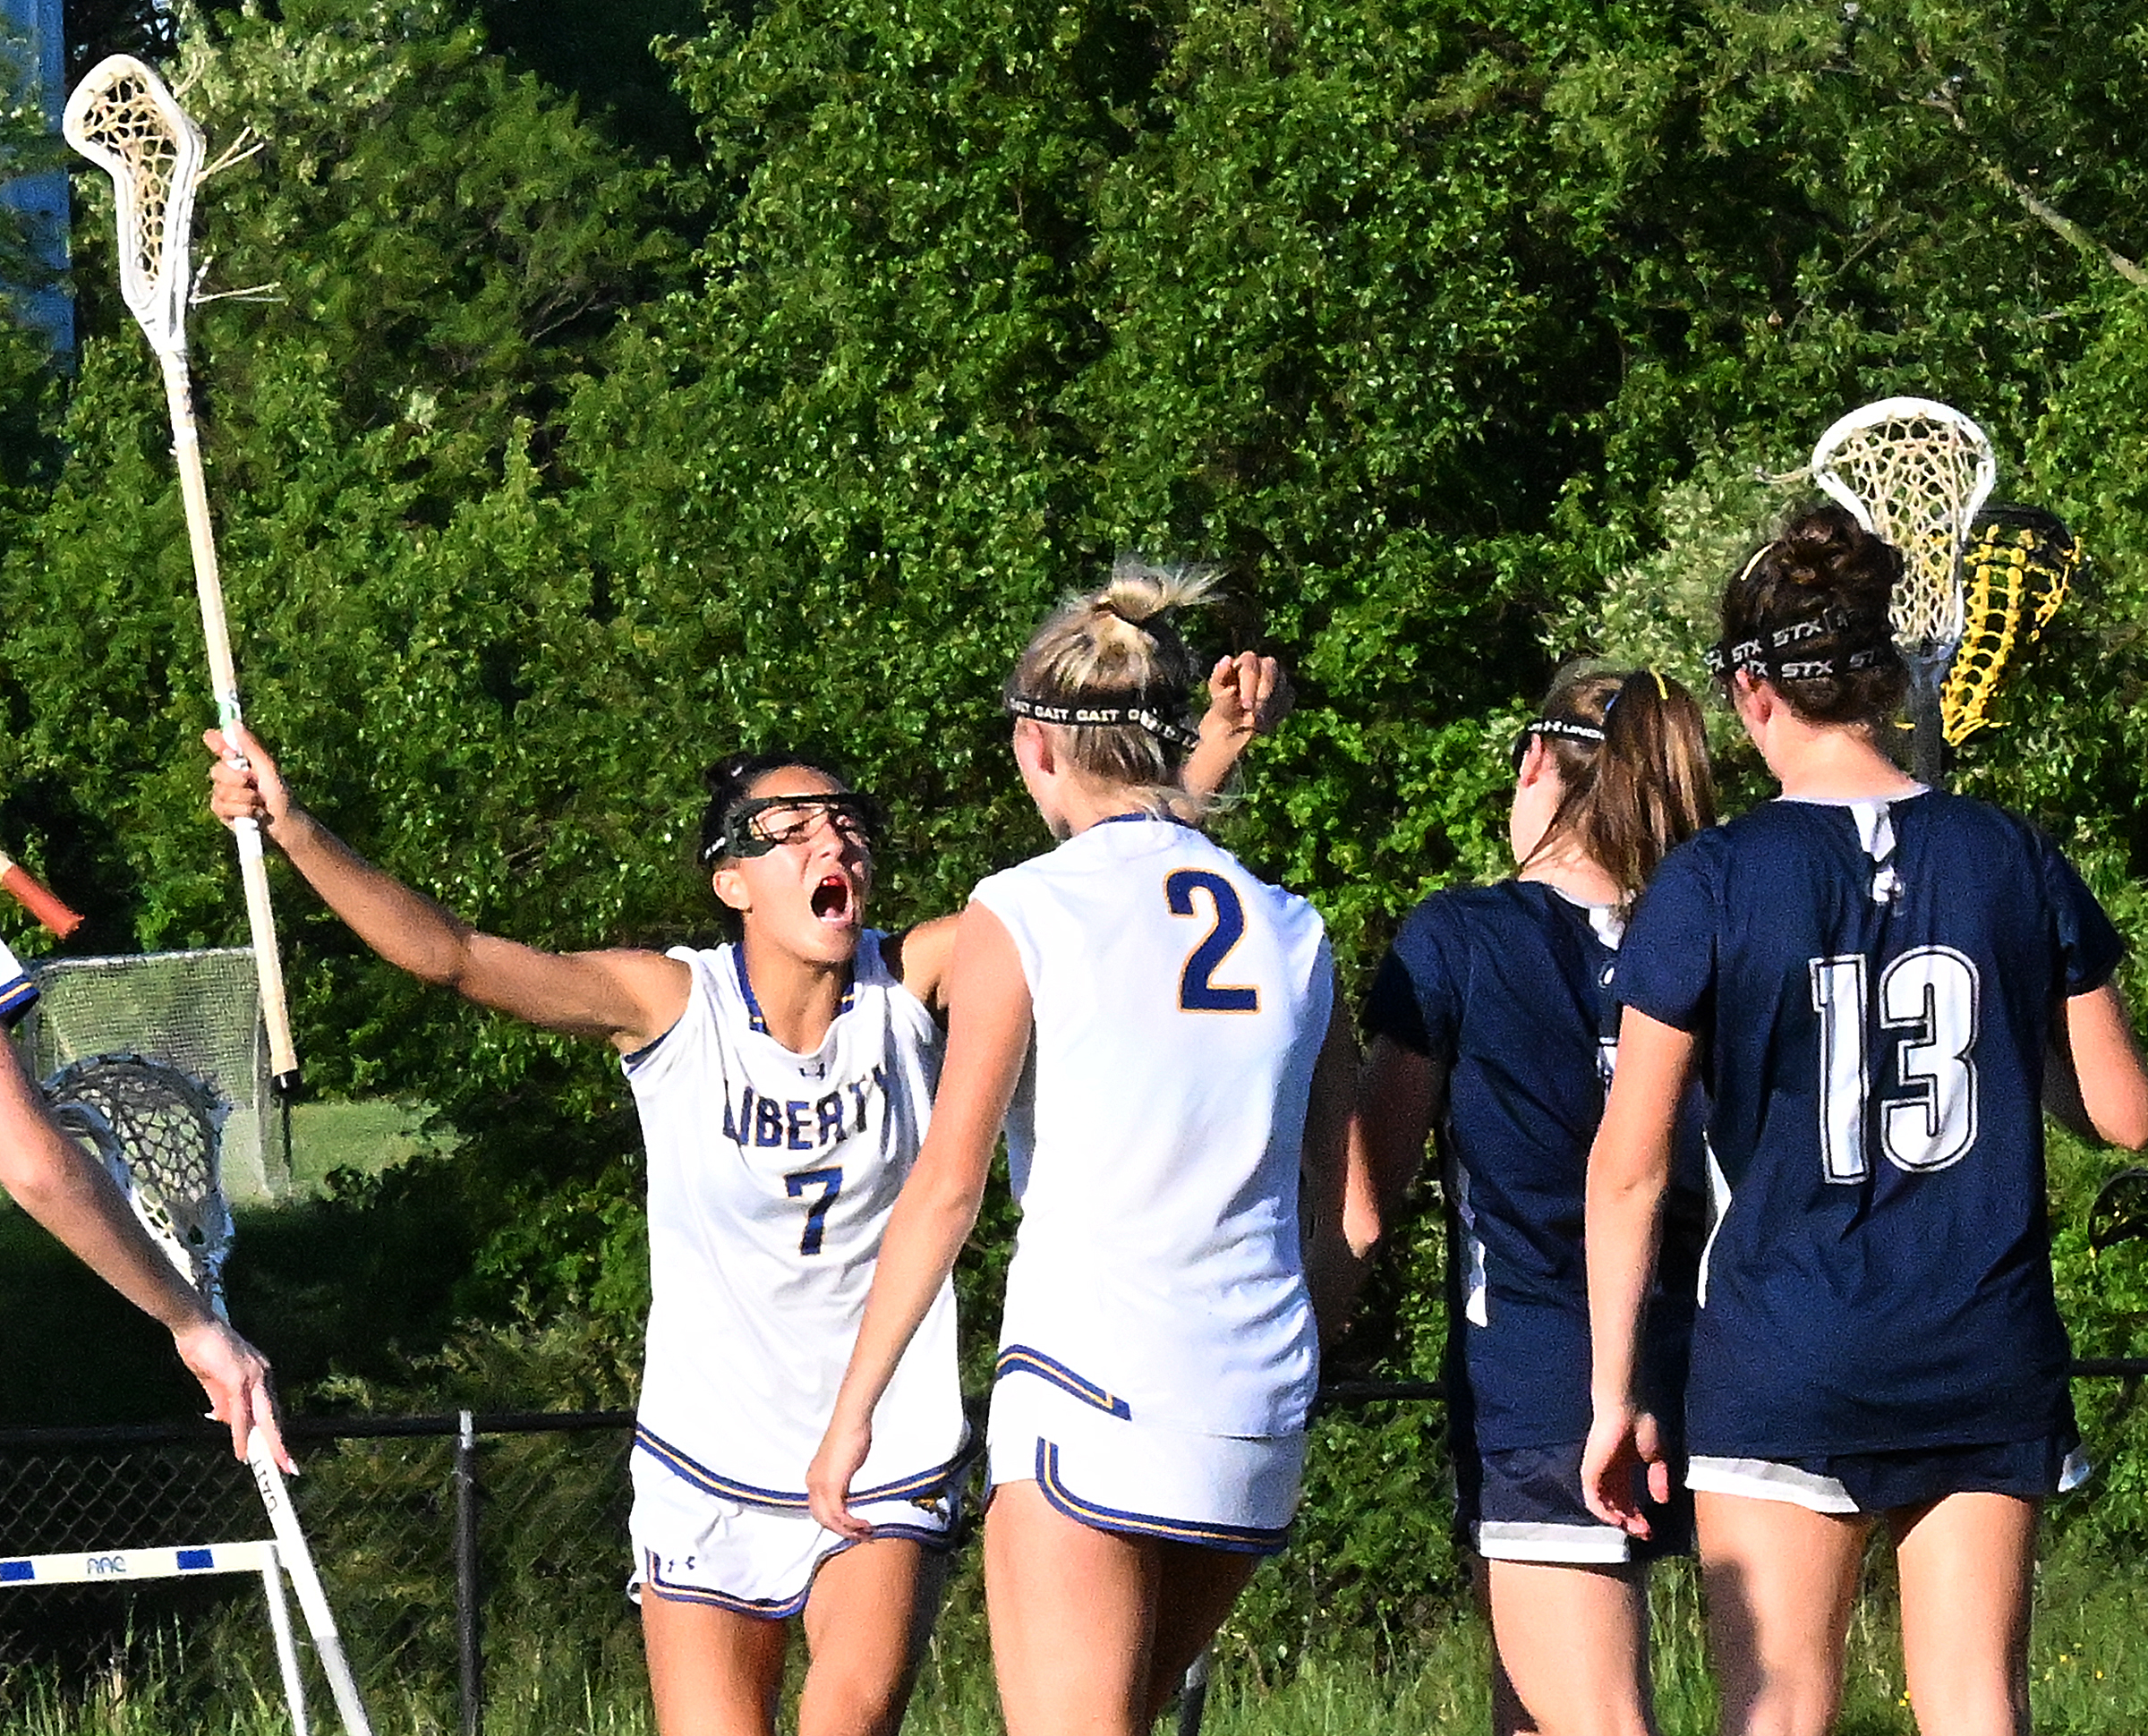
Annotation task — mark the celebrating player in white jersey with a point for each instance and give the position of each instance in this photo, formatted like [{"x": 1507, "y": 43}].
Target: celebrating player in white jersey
[
  {"x": 783, "y": 1083},
  {"x": 1151, "y": 1023},
  {"x": 1872, "y": 974},
  {"x": 1493, "y": 1020}
]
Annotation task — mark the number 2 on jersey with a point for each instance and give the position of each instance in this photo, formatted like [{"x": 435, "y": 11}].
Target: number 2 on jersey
[
  {"x": 1198, "y": 991},
  {"x": 1928, "y": 1111},
  {"x": 830, "y": 1181}
]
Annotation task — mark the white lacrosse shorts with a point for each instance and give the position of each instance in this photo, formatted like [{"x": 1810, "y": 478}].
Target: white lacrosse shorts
[
  {"x": 694, "y": 1547},
  {"x": 1236, "y": 1493}
]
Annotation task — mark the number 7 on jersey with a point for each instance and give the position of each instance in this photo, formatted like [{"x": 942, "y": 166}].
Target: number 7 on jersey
[{"x": 830, "y": 1181}]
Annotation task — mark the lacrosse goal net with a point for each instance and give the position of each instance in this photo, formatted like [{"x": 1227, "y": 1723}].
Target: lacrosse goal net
[{"x": 199, "y": 1011}]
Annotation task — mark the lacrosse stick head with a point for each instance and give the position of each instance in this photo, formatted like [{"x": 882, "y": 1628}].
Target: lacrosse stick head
[
  {"x": 1913, "y": 473},
  {"x": 2016, "y": 571},
  {"x": 123, "y": 119},
  {"x": 158, "y": 1131}
]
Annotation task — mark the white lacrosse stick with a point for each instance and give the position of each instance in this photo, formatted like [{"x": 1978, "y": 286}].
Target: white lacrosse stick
[
  {"x": 123, "y": 119},
  {"x": 1915, "y": 473},
  {"x": 157, "y": 1130}
]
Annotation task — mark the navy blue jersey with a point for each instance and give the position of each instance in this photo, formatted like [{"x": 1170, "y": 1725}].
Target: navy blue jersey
[
  {"x": 1873, "y": 985},
  {"x": 1508, "y": 987}
]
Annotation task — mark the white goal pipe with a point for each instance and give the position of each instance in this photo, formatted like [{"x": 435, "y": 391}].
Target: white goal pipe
[{"x": 103, "y": 1567}]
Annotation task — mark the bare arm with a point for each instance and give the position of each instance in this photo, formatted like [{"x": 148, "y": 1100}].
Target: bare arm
[
  {"x": 920, "y": 957},
  {"x": 989, "y": 1017},
  {"x": 1248, "y": 696},
  {"x": 67, "y": 1191},
  {"x": 1400, "y": 1096},
  {"x": 1341, "y": 1223},
  {"x": 2094, "y": 1082},
  {"x": 627, "y": 998},
  {"x": 1629, "y": 1173}
]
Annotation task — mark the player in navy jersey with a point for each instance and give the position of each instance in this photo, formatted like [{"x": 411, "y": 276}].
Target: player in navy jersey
[
  {"x": 1868, "y": 976},
  {"x": 1492, "y": 1021},
  {"x": 1157, "y": 1030},
  {"x": 783, "y": 1083}
]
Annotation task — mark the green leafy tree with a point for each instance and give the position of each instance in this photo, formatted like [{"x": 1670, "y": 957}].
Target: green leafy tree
[
  {"x": 1454, "y": 336},
  {"x": 446, "y": 249}
]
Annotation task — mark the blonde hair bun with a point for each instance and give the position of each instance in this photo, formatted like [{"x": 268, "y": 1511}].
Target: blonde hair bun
[{"x": 1120, "y": 640}]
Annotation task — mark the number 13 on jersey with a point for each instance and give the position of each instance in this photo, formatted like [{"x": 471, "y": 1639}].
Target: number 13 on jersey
[{"x": 1928, "y": 1108}]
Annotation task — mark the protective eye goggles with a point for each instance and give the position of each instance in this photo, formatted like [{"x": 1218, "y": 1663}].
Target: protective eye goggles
[
  {"x": 1570, "y": 730},
  {"x": 768, "y": 822}
]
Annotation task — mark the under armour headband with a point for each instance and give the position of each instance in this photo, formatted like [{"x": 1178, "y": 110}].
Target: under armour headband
[{"x": 1571, "y": 730}]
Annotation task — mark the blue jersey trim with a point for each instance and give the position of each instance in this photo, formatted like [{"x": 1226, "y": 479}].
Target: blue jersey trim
[
  {"x": 714, "y": 1483},
  {"x": 1140, "y": 815},
  {"x": 1022, "y": 1360},
  {"x": 755, "y": 1017},
  {"x": 17, "y": 998},
  {"x": 1238, "y": 1539},
  {"x": 642, "y": 1054}
]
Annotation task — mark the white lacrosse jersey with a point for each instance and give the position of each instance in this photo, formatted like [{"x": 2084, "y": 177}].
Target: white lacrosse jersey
[
  {"x": 18, "y": 989},
  {"x": 771, "y": 1178},
  {"x": 1156, "y": 1137}
]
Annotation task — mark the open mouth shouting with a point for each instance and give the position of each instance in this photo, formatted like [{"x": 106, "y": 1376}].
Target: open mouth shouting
[{"x": 835, "y": 901}]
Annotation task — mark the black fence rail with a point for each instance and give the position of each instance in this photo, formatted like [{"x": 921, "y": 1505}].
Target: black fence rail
[{"x": 431, "y": 1533}]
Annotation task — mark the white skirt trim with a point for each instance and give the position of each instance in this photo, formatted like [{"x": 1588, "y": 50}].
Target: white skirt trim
[
  {"x": 1236, "y": 1493},
  {"x": 693, "y": 1545},
  {"x": 1551, "y": 1543}
]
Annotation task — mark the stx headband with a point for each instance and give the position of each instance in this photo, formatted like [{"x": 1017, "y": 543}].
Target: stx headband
[
  {"x": 1763, "y": 654},
  {"x": 1104, "y": 709}
]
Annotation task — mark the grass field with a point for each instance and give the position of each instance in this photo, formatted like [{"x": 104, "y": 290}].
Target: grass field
[
  {"x": 366, "y": 1137},
  {"x": 2091, "y": 1669}
]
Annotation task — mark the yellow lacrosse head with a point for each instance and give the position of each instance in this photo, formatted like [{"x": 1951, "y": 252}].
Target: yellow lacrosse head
[{"x": 2015, "y": 573}]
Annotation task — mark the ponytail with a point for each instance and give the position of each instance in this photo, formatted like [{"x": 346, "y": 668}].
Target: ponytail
[{"x": 1627, "y": 801}]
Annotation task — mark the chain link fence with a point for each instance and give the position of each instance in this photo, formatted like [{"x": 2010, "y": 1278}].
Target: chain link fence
[
  {"x": 443, "y": 1541},
  {"x": 450, "y": 1545}
]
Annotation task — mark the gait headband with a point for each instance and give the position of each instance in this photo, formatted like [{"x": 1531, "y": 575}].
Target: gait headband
[{"x": 1102, "y": 708}]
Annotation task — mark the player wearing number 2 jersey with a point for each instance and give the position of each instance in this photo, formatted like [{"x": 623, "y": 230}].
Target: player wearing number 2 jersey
[
  {"x": 1158, "y": 1030},
  {"x": 1868, "y": 975},
  {"x": 783, "y": 1082},
  {"x": 1163, "y": 1287}
]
